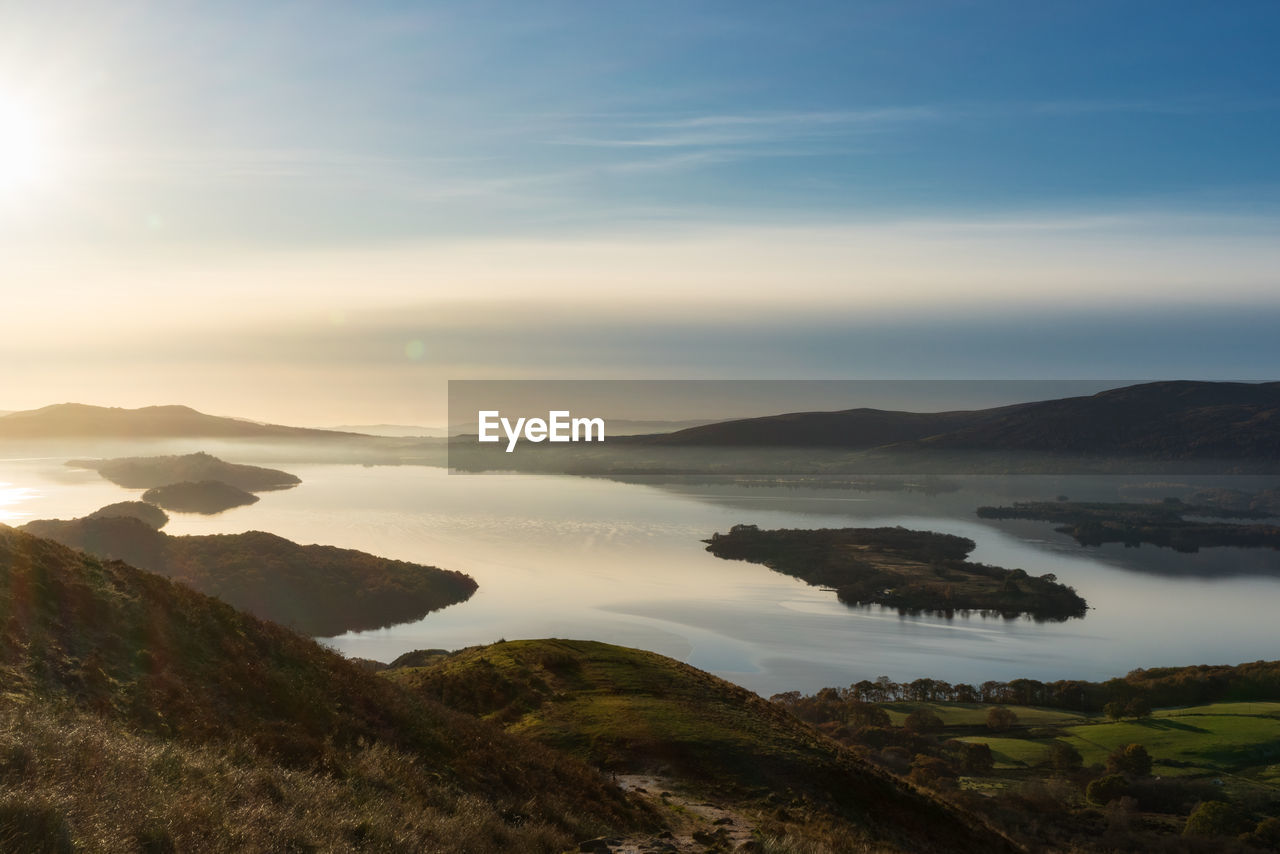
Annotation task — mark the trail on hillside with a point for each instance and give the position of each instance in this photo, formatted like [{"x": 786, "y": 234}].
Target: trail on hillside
[{"x": 696, "y": 824}]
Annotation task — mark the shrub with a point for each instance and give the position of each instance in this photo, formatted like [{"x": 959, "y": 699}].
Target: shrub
[
  {"x": 1213, "y": 818},
  {"x": 1266, "y": 834},
  {"x": 1106, "y": 789}
]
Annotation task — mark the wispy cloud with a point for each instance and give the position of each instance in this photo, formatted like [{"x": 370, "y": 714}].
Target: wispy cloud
[{"x": 743, "y": 129}]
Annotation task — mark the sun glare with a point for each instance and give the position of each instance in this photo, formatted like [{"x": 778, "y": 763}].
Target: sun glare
[{"x": 25, "y": 154}]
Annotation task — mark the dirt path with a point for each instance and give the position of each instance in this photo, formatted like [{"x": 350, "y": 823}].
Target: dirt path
[{"x": 697, "y": 825}]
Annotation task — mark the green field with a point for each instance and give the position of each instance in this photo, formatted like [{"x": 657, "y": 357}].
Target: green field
[
  {"x": 975, "y": 714},
  {"x": 1234, "y": 738},
  {"x": 1187, "y": 744}
]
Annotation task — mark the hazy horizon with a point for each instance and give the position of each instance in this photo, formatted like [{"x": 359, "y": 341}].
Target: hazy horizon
[{"x": 321, "y": 213}]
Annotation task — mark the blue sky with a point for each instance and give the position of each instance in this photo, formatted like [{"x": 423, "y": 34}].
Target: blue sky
[{"x": 238, "y": 170}]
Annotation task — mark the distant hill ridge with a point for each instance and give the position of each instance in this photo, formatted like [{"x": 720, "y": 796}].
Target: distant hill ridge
[
  {"x": 79, "y": 420},
  {"x": 1161, "y": 420}
]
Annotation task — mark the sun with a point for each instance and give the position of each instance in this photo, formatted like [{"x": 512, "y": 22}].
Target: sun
[{"x": 25, "y": 148}]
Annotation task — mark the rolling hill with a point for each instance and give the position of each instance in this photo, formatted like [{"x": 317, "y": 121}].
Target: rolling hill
[
  {"x": 137, "y": 714},
  {"x": 633, "y": 711},
  {"x": 1162, "y": 421}
]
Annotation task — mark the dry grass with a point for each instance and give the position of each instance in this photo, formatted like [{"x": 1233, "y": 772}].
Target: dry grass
[{"x": 72, "y": 781}]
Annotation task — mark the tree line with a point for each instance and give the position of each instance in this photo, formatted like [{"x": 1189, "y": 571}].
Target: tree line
[{"x": 1139, "y": 689}]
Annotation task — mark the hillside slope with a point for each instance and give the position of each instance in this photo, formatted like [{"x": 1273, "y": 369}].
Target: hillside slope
[
  {"x": 635, "y": 711},
  {"x": 139, "y": 714}
]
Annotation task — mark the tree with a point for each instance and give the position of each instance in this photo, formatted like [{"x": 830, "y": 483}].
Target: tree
[
  {"x": 1063, "y": 757},
  {"x": 1115, "y": 710},
  {"x": 1138, "y": 707},
  {"x": 1130, "y": 759},
  {"x": 923, "y": 720},
  {"x": 1000, "y": 719},
  {"x": 867, "y": 714}
]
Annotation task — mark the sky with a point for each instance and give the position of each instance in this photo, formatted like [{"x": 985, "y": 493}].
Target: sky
[{"x": 321, "y": 212}]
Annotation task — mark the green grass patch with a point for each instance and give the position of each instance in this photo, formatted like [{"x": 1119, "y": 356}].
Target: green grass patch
[
  {"x": 1013, "y": 752},
  {"x": 1250, "y": 709},
  {"x": 1186, "y": 743},
  {"x": 975, "y": 714}
]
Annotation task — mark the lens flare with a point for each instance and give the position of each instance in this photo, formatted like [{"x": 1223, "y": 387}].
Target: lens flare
[{"x": 25, "y": 148}]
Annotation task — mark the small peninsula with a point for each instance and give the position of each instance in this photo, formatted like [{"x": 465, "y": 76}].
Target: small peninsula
[
  {"x": 913, "y": 571},
  {"x": 317, "y": 590},
  {"x": 1164, "y": 524},
  {"x": 206, "y": 496}
]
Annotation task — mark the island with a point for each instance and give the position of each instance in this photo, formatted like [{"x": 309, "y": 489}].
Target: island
[
  {"x": 913, "y": 571},
  {"x": 206, "y": 496},
  {"x": 317, "y": 590},
  {"x": 1164, "y": 523},
  {"x": 148, "y": 472}
]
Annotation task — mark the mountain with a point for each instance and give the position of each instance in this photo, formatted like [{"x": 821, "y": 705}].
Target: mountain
[
  {"x": 78, "y": 420},
  {"x": 1160, "y": 421},
  {"x": 399, "y": 431},
  {"x": 139, "y": 715},
  {"x": 849, "y": 429},
  {"x": 614, "y": 426},
  {"x": 637, "y": 712}
]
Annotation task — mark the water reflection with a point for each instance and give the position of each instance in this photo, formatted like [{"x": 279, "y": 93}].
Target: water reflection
[{"x": 623, "y": 562}]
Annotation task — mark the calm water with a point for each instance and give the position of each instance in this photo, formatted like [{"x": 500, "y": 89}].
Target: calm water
[{"x": 583, "y": 558}]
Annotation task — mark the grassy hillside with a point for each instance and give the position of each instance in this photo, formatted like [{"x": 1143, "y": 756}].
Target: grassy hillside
[
  {"x": 1060, "y": 779},
  {"x": 634, "y": 711},
  {"x": 318, "y": 590},
  {"x": 134, "y": 710}
]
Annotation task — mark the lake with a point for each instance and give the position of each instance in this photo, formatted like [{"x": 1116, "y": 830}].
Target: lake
[{"x": 558, "y": 556}]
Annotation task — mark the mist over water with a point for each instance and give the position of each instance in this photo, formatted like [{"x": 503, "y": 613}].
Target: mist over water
[{"x": 558, "y": 556}]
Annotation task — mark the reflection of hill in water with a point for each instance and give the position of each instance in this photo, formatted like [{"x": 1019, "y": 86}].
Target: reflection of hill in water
[{"x": 977, "y": 490}]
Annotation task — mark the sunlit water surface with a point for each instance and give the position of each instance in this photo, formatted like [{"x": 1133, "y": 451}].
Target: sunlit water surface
[{"x": 584, "y": 558}]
